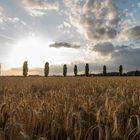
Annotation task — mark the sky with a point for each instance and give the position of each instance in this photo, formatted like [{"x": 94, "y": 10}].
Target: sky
[{"x": 98, "y": 32}]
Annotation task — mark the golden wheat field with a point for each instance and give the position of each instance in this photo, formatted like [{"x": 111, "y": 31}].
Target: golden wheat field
[{"x": 70, "y": 108}]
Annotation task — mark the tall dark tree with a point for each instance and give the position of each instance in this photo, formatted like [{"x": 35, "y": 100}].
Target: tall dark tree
[
  {"x": 120, "y": 70},
  {"x": 104, "y": 70},
  {"x": 75, "y": 70},
  {"x": 46, "y": 69},
  {"x": 87, "y": 70},
  {"x": 25, "y": 68},
  {"x": 64, "y": 70}
]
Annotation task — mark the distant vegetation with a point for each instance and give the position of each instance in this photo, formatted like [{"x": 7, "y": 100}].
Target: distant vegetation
[{"x": 75, "y": 71}]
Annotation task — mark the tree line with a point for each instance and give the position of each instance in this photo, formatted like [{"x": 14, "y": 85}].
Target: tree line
[{"x": 75, "y": 70}]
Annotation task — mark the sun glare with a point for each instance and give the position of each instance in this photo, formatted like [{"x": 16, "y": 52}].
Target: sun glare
[
  {"x": 37, "y": 51},
  {"x": 31, "y": 49}
]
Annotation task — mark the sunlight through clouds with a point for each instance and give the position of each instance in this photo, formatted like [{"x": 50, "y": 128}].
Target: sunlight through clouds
[
  {"x": 69, "y": 31},
  {"x": 37, "y": 51}
]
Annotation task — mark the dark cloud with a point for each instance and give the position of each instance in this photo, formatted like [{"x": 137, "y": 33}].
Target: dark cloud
[
  {"x": 125, "y": 55},
  {"x": 132, "y": 33},
  {"x": 104, "y": 48},
  {"x": 129, "y": 57},
  {"x": 64, "y": 44}
]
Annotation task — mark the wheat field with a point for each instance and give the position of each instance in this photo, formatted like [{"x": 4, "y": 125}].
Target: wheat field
[{"x": 70, "y": 108}]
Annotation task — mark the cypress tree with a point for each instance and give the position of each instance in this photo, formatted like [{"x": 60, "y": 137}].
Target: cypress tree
[
  {"x": 75, "y": 70},
  {"x": 64, "y": 70},
  {"x": 87, "y": 70},
  {"x": 120, "y": 70},
  {"x": 104, "y": 70},
  {"x": 25, "y": 68},
  {"x": 46, "y": 69}
]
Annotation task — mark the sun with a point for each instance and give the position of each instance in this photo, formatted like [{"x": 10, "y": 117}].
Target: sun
[
  {"x": 32, "y": 49},
  {"x": 36, "y": 51}
]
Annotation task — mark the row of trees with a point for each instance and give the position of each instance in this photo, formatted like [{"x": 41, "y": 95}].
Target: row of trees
[{"x": 46, "y": 70}]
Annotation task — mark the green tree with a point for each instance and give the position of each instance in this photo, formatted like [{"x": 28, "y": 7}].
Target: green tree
[
  {"x": 46, "y": 69},
  {"x": 64, "y": 70},
  {"x": 87, "y": 70},
  {"x": 104, "y": 70},
  {"x": 25, "y": 68},
  {"x": 120, "y": 70},
  {"x": 75, "y": 70}
]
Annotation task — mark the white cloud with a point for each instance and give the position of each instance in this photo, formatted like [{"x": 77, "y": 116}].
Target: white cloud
[
  {"x": 127, "y": 13},
  {"x": 1, "y": 15},
  {"x": 96, "y": 19},
  {"x": 139, "y": 4},
  {"x": 66, "y": 24},
  {"x": 39, "y": 8}
]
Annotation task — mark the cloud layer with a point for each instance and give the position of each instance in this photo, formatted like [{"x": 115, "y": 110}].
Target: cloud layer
[{"x": 38, "y": 8}]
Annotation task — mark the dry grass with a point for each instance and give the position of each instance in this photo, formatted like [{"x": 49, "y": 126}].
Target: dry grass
[{"x": 70, "y": 108}]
